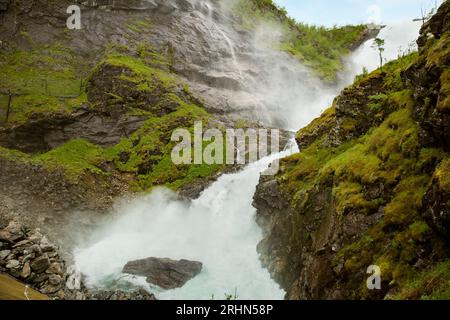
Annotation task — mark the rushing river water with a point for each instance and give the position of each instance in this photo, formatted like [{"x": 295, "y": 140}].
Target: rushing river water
[{"x": 219, "y": 228}]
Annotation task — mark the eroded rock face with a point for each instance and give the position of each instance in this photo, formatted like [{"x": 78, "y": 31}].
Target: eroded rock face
[
  {"x": 300, "y": 243},
  {"x": 100, "y": 128},
  {"x": 430, "y": 80},
  {"x": 353, "y": 115},
  {"x": 165, "y": 273}
]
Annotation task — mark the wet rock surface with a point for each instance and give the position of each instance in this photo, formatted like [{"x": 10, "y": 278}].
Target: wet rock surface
[{"x": 165, "y": 273}]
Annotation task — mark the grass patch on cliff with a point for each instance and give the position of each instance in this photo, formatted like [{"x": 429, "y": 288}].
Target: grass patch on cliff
[
  {"x": 350, "y": 197},
  {"x": 23, "y": 107},
  {"x": 142, "y": 72},
  {"x": 395, "y": 241},
  {"x": 148, "y": 151},
  {"x": 75, "y": 157},
  {"x": 43, "y": 80},
  {"x": 146, "y": 154},
  {"x": 318, "y": 126},
  {"x": 444, "y": 95},
  {"x": 322, "y": 49},
  {"x": 300, "y": 171},
  {"x": 431, "y": 284}
]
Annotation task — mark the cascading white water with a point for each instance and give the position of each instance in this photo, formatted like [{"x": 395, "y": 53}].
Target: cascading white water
[
  {"x": 231, "y": 47},
  {"x": 219, "y": 228},
  {"x": 230, "y": 44}
]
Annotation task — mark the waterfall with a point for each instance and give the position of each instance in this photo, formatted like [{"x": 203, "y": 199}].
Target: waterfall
[
  {"x": 219, "y": 228},
  {"x": 209, "y": 16},
  {"x": 231, "y": 47}
]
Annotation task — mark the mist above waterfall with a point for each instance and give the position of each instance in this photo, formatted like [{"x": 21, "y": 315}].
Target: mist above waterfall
[{"x": 400, "y": 38}]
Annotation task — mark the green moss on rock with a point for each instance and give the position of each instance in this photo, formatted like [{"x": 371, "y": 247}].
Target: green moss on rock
[
  {"x": 44, "y": 80},
  {"x": 365, "y": 190}
]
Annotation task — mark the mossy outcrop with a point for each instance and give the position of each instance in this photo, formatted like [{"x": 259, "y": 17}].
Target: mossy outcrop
[{"x": 369, "y": 186}]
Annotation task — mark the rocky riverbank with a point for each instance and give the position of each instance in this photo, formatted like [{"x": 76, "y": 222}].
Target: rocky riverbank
[{"x": 32, "y": 259}]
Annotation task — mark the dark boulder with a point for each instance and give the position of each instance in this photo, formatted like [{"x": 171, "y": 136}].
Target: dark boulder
[{"x": 165, "y": 273}]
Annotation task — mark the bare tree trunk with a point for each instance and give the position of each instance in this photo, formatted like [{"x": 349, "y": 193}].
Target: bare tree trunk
[
  {"x": 381, "y": 61},
  {"x": 8, "y": 108}
]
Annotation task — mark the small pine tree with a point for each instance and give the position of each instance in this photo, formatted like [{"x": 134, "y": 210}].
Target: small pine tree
[{"x": 378, "y": 44}]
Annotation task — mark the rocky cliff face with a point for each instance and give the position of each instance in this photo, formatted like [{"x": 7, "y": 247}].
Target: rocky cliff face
[
  {"x": 369, "y": 187},
  {"x": 221, "y": 64}
]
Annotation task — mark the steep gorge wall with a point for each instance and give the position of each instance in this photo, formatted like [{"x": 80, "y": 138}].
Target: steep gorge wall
[{"x": 369, "y": 187}]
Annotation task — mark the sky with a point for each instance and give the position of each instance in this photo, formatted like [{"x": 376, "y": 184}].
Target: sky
[{"x": 342, "y": 12}]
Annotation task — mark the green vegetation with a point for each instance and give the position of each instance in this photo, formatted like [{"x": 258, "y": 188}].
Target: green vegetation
[
  {"x": 147, "y": 152},
  {"x": 322, "y": 49},
  {"x": 444, "y": 102},
  {"x": 443, "y": 175},
  {"x": 378, "y": 44},
  {"x": 75, "y": 157},
  {"x": 317, "y": 126},
  {"x": 142, "y": 72},
  {"x": 391, "y": 155},
  {"x": 143, "y": 158},
  {"x": 44, "y": 80},
  {"x": 431, "y": 284}
]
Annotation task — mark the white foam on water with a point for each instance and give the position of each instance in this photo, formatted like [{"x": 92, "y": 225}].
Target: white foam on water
[{"x": 218, "y": 229}]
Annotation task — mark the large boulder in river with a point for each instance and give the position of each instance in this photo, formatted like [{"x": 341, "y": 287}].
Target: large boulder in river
[{"x": 165, "y": 273}]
